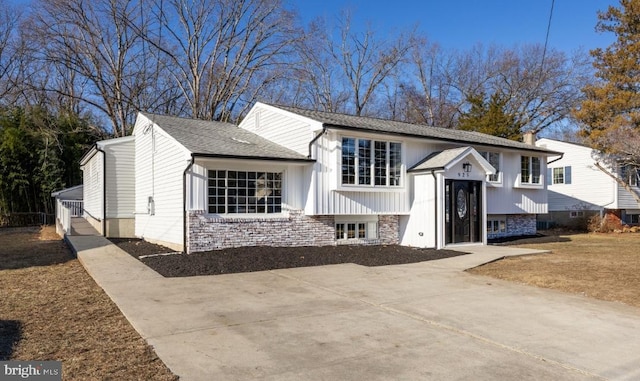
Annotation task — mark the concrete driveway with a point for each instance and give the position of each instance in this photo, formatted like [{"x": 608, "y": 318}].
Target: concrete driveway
[{"x": 425, "y": 321}]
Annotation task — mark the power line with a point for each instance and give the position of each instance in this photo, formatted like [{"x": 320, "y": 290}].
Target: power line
[{"x": 546, "y": 40}]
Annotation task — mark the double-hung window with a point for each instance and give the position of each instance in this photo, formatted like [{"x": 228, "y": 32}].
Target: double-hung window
[
  {"x": 253, "y": 192},
  {"x": 530, "y": 170},
  {"x": 558, "y": 175},
  {"x": 370, "y": 162}
]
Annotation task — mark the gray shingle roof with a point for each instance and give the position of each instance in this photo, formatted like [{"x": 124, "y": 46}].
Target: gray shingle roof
[
  {"x": 438, "y": 160},
  {"x": 221, "y": 139},
  {"x": 408, "y": 129}
]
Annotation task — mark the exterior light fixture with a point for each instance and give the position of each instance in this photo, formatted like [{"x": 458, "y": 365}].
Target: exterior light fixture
[{"x": 466, "y": 167}]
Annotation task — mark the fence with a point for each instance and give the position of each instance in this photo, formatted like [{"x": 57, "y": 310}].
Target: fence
[{"x": 12, "y": 220}]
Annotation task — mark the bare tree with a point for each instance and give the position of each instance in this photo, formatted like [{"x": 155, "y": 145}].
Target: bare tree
[
  {"x": 346, "y": 73},
  {"x": 320, "y": 80},
  {"x": 9, "y": 48},
  {"x": 541, "y": 88},
  {"x": 93, "y": 56},
  {"x": 367, "y": 61},
  {"x": 220, "y": 54},
  {"x": 427, "y": 96}
]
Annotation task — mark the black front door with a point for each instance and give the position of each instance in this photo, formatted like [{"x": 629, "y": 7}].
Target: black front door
[{"x": 463, "y": 214}]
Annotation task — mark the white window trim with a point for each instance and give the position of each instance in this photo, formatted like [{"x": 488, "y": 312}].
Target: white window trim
[
  {"x": 502, "y": 221},
  {"x": 530, "y": 185},
  {"x": 372, "y": 187},
  {"x": 553, "y": 176},
  {"x": 371, "y": 226},
  {"x": 497, "y": 183},
  {"x": 284, "y": 213}
]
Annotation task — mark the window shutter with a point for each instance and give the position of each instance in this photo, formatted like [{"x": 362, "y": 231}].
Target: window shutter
[
  {"x": 549, "y": 176},
  {"x": 567, "y": 175}
]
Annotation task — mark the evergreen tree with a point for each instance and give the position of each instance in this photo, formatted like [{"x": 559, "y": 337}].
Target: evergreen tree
[
  {"x": 39, "y": 154},
  {"x": 489, "y": 117},
  {"x": 610, "y": 112}
]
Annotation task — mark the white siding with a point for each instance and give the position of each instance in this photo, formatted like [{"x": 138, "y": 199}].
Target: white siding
[
  {"x": 92, "y": 173},
  {"x": 419, "y": 228},
  {"x": 281, "y": 127},
  {"x": 590, "y": 188},
  {"x": 511, "y": 199},
  {"x": 159, "y": 168},
  {"x": 626, "y": 200},
  {"x": 327, "y": 199},
  {"x": 120, "y": 179},
  {"x": 293, "y": 188}
]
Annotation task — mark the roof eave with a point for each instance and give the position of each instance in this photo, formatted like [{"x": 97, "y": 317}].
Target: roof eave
[
  {"x": 361, "y": 129},
  {"x": 244, "y": 157}
]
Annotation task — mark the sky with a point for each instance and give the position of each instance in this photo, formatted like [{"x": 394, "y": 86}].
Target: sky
[{"x": 460, "y": 24}]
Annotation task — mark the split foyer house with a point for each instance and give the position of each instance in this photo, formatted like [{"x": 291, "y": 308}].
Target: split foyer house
[
  {"x": 577, "y": 188},
  {"x": 294, "y": 177}
]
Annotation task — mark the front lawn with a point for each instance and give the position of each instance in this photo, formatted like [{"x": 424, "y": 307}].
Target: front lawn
[
  {"x": 602, "y": 266},
  {"x": 51, "y": 309}
]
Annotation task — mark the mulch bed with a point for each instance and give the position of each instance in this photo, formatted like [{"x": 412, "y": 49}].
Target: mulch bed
[
  {"x": 543, "y": 237},
  {"x": 260, "y": 258}
]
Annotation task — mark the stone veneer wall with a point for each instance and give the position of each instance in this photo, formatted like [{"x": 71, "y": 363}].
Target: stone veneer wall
[
  {"x": 388, "y": 230},
  {"x": 521, "y": 224},
  {"x": 518, "y": 224},
  {"x": 296, "y": 230}
]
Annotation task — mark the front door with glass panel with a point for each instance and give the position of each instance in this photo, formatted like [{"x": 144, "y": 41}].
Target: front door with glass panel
[{"x": 463, "y": 214}]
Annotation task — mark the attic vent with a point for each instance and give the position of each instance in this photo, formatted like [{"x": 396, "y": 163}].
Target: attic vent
[{"x": 241, "y": 141}]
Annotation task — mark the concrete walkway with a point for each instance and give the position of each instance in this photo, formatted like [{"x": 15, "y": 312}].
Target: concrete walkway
[{"x": 424, "y": 321}]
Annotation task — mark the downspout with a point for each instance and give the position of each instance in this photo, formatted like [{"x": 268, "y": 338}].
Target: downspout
[
  {"x": 184, "y": 203},
  {"x": 104, "y": 190},
  {"x": 315, "y": 138},
  {"x": 435, "y": 197}
]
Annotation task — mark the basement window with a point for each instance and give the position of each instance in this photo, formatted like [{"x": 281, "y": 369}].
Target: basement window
[
  {"x": 496, "y": 226},
  {"x": 354, "y": 229}
]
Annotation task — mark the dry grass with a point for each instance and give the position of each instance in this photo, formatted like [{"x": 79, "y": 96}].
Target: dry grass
[
  {"x": 52, "y": 309},
  {"x": 602, "y": 266}
]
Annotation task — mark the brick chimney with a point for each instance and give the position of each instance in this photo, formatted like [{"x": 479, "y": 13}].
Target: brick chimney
[{"x": 529, "y": 137}]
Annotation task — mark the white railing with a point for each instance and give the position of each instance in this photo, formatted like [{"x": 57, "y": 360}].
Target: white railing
[
  {"x": 75, "y": 207},
  {"x": 65, "y": 209}
]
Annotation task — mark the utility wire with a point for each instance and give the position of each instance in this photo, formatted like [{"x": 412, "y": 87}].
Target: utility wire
[{"x": 546, "y": 40}]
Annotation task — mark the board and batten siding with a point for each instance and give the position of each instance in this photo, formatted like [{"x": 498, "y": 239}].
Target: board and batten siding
[
  {"x": 509, "y": 198},
  {"x": 590, "y": 188},
  {"x": 281, "y": 127},
  {"x": 92, "y": 179},
  {"x": 120, "y": 176},
  {"x": 327, "y": 199},
  {"x": 159, "y": 165},
  {"x": 418, "y": 229}
]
